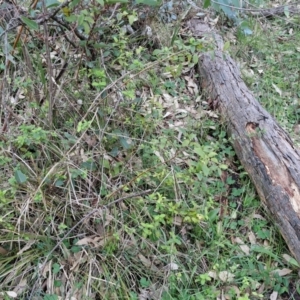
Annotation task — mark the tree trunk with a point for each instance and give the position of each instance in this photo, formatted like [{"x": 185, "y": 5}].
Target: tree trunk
[{"x": 263, "y": 147}]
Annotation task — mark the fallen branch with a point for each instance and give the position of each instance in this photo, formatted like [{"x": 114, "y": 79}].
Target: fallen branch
[{"x": 263, "y": 147}]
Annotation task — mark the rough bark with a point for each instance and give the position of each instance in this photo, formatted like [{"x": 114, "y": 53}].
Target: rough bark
[{"x": 263, "y": 147}]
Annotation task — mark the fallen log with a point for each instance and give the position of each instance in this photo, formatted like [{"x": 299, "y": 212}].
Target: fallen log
[{"x": 263, "y": 147}]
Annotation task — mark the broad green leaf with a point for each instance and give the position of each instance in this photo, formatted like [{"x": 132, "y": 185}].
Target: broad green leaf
[
  {"x": 75, "y": 249},
  {"x": 52, "y": 3},
  {"x": 74, "y": 3},
  {"x": 195, "y": 58},
  {"x": 30, "y": 24},
  {"x": 226, "y": 46},
  {"x": 286, "y": 11},
  {"x": 227, "y": 8},
  {"x": 101, "y": 2},
  {"x": 59, "y": 182},
  {"x": 20, "y": 176},
  {"x": 132, "y": 19},
  {"x": 71, "y": 18},
  {"x": 55, "y": 268},
  {"x": 205, "y": 170},
  {"x": 199, "y": 151},
  {"x": 235, "y": 3},
  {"x": 245, "y": 27},
  {"x": 223, "y": 167},
  {"x": 126, "y": 142},
  {"x": 206, "y": 4}
]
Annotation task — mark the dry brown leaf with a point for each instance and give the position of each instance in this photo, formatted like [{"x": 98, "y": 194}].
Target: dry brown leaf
[
  {"x": 144, "y": 294},
  {"x": 230, "y": 288},
  {"x": 167, "y": 114},
  {"x": 290, "y": 260},
  {"x": 171, "y": 267},
  {"x": 257, "y": 216},
  {"x": 147, "y": 263},
  {"x": 21, "y": 286},
  {"x": 282, "y": 272},
  {"x": 252, "y": 238},
  {"x": 181, "y": 113},
  {"x": 77, "y": 259},
  {"x": 26, "y": 247},
  {"x": 85, "y": 241},
  {"x": 159, "y": 156},
  {"x": 177, "y": 220},
  {"x": 47, "y": 268},
  {"x": 226, "y": 276},
  {"x": 261, "y": 288},
  {"x": 277, "y": 89},
  {"x": 192, "y": 86},
  {"x": 212, "y": 274},
  {"x": 3, "y": 251},
  {"x": 243, "y": 247},
  {"x": 274, "y": 296},
  {"x": 211, "y": 114},
  {"x": 9, "y": 293}
]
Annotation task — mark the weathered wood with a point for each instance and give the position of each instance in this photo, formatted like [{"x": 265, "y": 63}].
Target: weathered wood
[{"x": 263, "y": 147}]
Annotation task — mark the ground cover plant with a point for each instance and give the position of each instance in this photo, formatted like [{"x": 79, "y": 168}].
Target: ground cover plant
[{"x": 118, "y": 180}]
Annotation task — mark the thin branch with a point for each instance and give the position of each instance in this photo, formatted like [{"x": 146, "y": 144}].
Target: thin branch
[{"x": 51, "y": 91}]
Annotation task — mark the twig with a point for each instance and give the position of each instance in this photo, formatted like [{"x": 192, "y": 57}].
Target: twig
[
  {"x": 51, "y": 91},
  {"x": 42, "y": 19},
  {"x": 259, "y": 11},
  {"x": 127, "y": 197}
]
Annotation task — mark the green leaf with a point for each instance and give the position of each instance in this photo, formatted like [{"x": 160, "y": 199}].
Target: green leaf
[
  {"x": 205, "y": 170},
  {"x": 30, "y": 24},
  {"x": 72, "y": 18},
  {"x": 245, "y": 28},
  {"x": 20, "y": 177},
  {"x": 286, "y": 11},
  {"x": 149, "y": 2},
  {"x": 144, "y": 282},
  {"x": 88, "y": 165},
  {"x": 56, "y": 268},
  {"x": 50, "y": 297},
  {"x": 132, "y": 19},
  {"x": 195, "y": 58},
  {"x": 59, "y": 182},
  {"x": 74, "y": 3},
  {"x": 75, "y": 249},
  {"x": 223, "y": 167},
  {"x": 57, "y": 283},
  {"x": 226, "y": 46},
  {"x": 206, "y": 4},
  {"x": 226, "y": 8},
  {"x": 101, "y": 2},
  {"x": 51, "y": 3},
  {"x": 200, "y": 152}
]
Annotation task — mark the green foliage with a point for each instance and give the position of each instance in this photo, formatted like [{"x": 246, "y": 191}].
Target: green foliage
[
  {"x": 233, "y": 10},
  {"x": 135, "y": 163}
]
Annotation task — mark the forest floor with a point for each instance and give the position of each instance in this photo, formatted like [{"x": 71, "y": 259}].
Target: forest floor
[{"x": 120, "y": 181}]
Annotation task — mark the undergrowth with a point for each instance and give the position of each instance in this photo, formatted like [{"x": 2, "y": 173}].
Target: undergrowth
[{"x": 117, "y": 180}]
